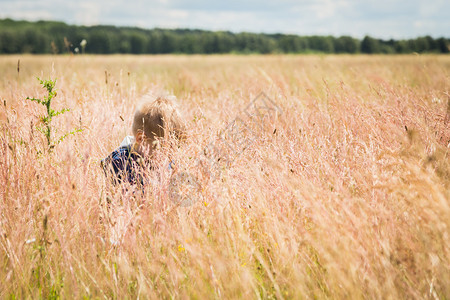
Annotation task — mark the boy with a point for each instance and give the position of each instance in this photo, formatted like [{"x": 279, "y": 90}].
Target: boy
[{"x": 154, "y": 119}]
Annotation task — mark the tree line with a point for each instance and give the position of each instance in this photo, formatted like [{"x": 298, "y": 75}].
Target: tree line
[{"x": 45, "y": 37}]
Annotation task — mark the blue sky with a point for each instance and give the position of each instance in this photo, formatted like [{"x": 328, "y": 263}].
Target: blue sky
[{"x": 378, "y": 18}]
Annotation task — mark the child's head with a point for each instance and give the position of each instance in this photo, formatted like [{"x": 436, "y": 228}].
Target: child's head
[{"x": 155, "y": 118}]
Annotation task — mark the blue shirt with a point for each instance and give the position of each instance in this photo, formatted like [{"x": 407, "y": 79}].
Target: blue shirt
[{"x": 124, "y": 165}]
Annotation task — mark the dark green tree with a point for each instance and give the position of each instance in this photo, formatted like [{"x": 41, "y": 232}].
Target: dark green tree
[
  {"x": 99, "y": 42},
  {"x": 443, "y": 45},
  {"x": 138, "y": 43},
  {"x": 346, "y": 44},
  {"x": 8, "y": 42},
  {"x": 370, "y": 45}
]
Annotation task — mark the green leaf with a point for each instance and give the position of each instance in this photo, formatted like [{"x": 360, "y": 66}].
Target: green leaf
[
  {"x": 35, "y": 100},
  {"x": 67, "y": 134},
  {"x": 61, "y": 111}
]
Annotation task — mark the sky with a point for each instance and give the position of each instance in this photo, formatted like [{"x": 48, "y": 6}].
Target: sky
[{"x": 385, "y": 19}]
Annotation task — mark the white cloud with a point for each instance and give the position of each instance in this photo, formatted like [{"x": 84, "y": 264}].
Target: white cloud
[{"x": 87, "y": 12}]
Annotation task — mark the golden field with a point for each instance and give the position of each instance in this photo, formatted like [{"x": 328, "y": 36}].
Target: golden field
[{"x": 345, "y": 194}]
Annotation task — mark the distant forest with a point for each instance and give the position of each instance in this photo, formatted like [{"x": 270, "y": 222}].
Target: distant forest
[{"x": 56, "y": 37}]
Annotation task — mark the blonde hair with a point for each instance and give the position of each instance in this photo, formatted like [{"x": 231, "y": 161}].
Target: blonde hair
[{"x": 158, "y": 117}]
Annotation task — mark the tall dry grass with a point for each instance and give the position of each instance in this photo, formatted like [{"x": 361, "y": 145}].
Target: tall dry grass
[{"x": 345, "y": 195}]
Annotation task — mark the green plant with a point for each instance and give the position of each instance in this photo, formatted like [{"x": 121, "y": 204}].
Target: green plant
[{"x": 49, "y": 85}]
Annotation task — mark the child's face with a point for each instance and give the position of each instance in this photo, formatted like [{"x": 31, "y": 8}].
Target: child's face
[{"x": 144, "y": 146}]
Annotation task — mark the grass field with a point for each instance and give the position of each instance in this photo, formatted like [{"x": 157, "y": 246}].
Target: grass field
[{"x": 345, "y": 194}]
